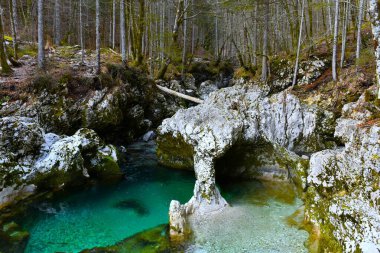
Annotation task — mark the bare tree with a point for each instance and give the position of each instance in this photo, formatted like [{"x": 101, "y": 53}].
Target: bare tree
[
  {"x": 41, "y": 52},
  {"x": 97, "y": 36},
  {"x": 360, "y": 18},
  {"x": 5, "y": 68},
  {"x": 13, "y": 14},
  {"x": 335, "y": 42},
  {"x": 264, "y": 72},
  {"x": 57, "y": 22},
  {"x": 114, "y": 22},
  {"x": 123, "y": 42},
  {"x": 299, "y": 44},
  {"x": 81, "y": 31}
]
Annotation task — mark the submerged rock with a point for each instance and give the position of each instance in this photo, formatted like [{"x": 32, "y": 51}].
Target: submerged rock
[
  {"x": 132, "y": 204},
  {"x": 30, "y": 158}
]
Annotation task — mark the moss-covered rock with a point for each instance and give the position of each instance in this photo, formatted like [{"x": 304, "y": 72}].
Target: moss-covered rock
[
  {"x": 343, "y": 196},
  {"x": 175, "y": 152},
  {"x": 13, "y": 239},
  {"x": 48, "y": 161},
  {"x": 155, "y": 240}
]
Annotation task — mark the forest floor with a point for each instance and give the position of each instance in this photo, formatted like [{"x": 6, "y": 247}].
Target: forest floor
[{"x": 59, "y": 60}]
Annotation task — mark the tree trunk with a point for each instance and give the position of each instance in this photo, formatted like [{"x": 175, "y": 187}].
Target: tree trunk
[
  {"x": 81, "y": 31},
  {"x": 123, "y": 43},
  {"x": 13, "y": 14},
  {"x": 375, "y": 20},
  {"x": 41, "y": 52},
  {"x": 140, "y": 32},
  {"x": 177, "y": 21},
  {"x": 114, "y": 22},
  {"x": 344, "y": 33},
  {"x": 184, "y": 42},
  {"x": 299, "y": 44},
  {"x": 264, "y": 72},
  {"x": 5, "y": 68},
  {"x": 97, "y": 37},
  {"x": 335, "y": 42},
  {"x": 360, "y": 18},
  {"x": 57, "y": 22}
]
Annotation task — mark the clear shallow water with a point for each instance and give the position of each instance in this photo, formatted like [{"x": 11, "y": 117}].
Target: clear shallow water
[
  {"x": 104, "y": 215},
  {"x": 255, "y": 222}
]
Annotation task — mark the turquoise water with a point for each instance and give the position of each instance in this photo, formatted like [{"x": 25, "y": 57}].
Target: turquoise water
[{"x": 104, "y": 215}]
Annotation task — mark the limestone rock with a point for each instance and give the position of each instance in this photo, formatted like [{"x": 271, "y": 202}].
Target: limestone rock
[
  {"x": 242, "y": 114},
  {"x": 206, "y": 88},
  {"x": 343, "y": 197},
  {"x": 31, "y": 159}
]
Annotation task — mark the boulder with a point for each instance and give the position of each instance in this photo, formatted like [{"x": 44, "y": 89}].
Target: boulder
[{"x": 32, "y": 159}]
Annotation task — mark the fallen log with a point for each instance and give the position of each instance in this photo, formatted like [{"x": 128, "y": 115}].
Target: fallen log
[{"x": 177, "y": 94}]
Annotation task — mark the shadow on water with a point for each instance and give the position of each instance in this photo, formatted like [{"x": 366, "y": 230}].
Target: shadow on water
[{"x": 132, "y": 204}]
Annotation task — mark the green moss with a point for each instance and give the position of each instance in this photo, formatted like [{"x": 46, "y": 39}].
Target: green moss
[
  {"x": 56, "y": 179},
  {"x": 106, "y": 168},
  {"x": 175, "y": 152},
  {"x": 321, "y": 237}
]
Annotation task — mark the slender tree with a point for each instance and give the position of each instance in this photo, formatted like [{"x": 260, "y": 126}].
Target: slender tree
[
  {"x": 264, "y": 72},
  {"x": 81, "y": 31},
  {"x": 335, "y": 42},
  {"x": 13, "y": 14},
  {"x": 41, "y": 52},
  {"x": 360, "y": 18},
  {"x": 299, "y": 44},
  {"x": 5, "y": 68},
  {"x": 57, "y": 22},
  {"x": 114, "y": 22},
  {"x": 97, "y": 36},
  {"x": 123, "y": 42}
]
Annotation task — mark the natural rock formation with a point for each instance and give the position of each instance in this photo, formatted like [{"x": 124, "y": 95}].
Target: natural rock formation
[
  {"x": 343, "y": 196},
  {"x": 31, "y": 158},
  {"x": 241, "y": 115}
]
